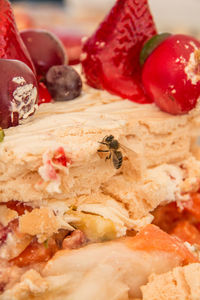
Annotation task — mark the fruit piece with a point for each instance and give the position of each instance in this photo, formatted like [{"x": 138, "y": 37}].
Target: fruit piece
[
  {"x": 187, "y": 232},
  {"x": 110, "y": 57},
  {"x": 44, "y": 95},
  {"x": 61, "y": 158},
  {"x": 45, "y": 49},
  {"x": 18, "y": 92},
  {"x": 2, "y": 134},
  {"x": 11, "y": 44},
  {"x": 72, "y": 41},
  {"x": 151, "y": 238},
  {"x": 19, "y": 207},
  {"x": 152, "y": 44},
  {"x": 96, "y": 228},
  {"x": 36, "y": 253},
  {"x": 166, "y": 217},
  {"x": 192, "y": 206},
  {"x": 171, "y": 74},
  {"x": 63, "y": 83}
]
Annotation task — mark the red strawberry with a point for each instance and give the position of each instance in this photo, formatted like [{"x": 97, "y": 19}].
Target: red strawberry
[
  {"x": 111, "y": 54},
  {"x": 11, "y": 44}
]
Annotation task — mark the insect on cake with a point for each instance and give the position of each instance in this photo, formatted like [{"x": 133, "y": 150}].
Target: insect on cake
[
  {"x": 100, "y": 192},
  {"x": 113, "y": 150}
]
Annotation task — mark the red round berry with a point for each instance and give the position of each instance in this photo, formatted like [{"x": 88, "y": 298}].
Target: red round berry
[
  {"x": 171, "y": 74},
  {"x": 18, "y": 92},
  {"x": 45, "y": 49}
]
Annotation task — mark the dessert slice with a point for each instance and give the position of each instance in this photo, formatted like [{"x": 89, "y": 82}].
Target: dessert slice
[{"x": 92, "y": 170}]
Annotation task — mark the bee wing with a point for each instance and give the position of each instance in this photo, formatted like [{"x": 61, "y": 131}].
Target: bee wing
[
  {"x": 128, "y": 151},
  {"x": 137, "y": 164}
]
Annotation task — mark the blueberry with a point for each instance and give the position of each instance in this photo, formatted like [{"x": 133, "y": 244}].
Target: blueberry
[{"x": 63, "y": 83}]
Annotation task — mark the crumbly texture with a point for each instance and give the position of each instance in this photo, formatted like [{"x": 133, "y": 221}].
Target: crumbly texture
[
  {"x": 181, "y": 283},
  {"x": 158, "y": 165}
]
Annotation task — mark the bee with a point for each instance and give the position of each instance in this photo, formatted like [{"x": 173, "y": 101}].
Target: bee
[{"x": 113, "y": 149}]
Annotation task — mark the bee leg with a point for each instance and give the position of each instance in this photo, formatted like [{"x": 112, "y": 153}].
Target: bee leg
[
  {"x": 103, "y": 143},
  {"x": 108, "y": 157},
  {"x": 105, "y": 151}
]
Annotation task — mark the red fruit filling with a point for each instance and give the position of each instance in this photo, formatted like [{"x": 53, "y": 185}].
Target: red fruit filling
[
  {"x": 60, "y": 157},
  {"x": 11, "y": 44},
  {"x": 44, "y": 95},
  {"x": 111, "y": 55},
  {"x": 171, "y": 74},
  {"x": 36, "y": 253}
]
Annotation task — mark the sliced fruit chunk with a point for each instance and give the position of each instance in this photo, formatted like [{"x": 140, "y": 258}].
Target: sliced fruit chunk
[
  {"x": 110, "y": 57},
  {"x": 96, "y": 228},
  {"x": 187, "y": 232},
  {"x": 11, "y": 44},
  {"x": 151, "y": 238},
  {"x": 44, "y": 95},
  {"x": 193, "y": 206},
  {"x": 36, "y": 253}
]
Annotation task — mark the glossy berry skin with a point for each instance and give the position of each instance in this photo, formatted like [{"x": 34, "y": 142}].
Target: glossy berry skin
[
  {"x": 45, "y": 49},
  {"x": 18, "y": 92},
  {"x": 171, "y": 74},
  {"x": 43, "y": 94},
  {"x": 11, "y": 44},
  {"x": 110, "y": 56},
  {"x": 63, "y": 83}
]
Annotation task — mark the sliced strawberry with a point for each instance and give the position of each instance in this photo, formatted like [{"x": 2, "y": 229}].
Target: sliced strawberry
[
  {"x": 111, "y": 55},
  {"x": 11, "y": 44},
  {"x": 44, "y": 95}
]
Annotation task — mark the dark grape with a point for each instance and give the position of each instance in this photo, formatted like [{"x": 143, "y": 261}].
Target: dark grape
[
  {"x": 63, "y": 83},
  {"x": 18, "y": 92}
]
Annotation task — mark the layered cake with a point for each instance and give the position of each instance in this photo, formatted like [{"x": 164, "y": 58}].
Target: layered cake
[{"x": 99, "y": 185}]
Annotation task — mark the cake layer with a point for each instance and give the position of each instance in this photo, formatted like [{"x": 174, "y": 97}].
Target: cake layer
[
  {"x": 181, "y": 283},
  {"x": 158, "y": 164}
]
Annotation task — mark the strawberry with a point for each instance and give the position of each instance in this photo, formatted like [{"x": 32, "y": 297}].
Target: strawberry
[
  {"x": 110, "y": 56},
  {"x": 11, "y": 44}
]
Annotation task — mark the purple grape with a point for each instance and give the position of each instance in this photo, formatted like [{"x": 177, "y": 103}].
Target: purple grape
[{"x": 63, "y": 83}]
